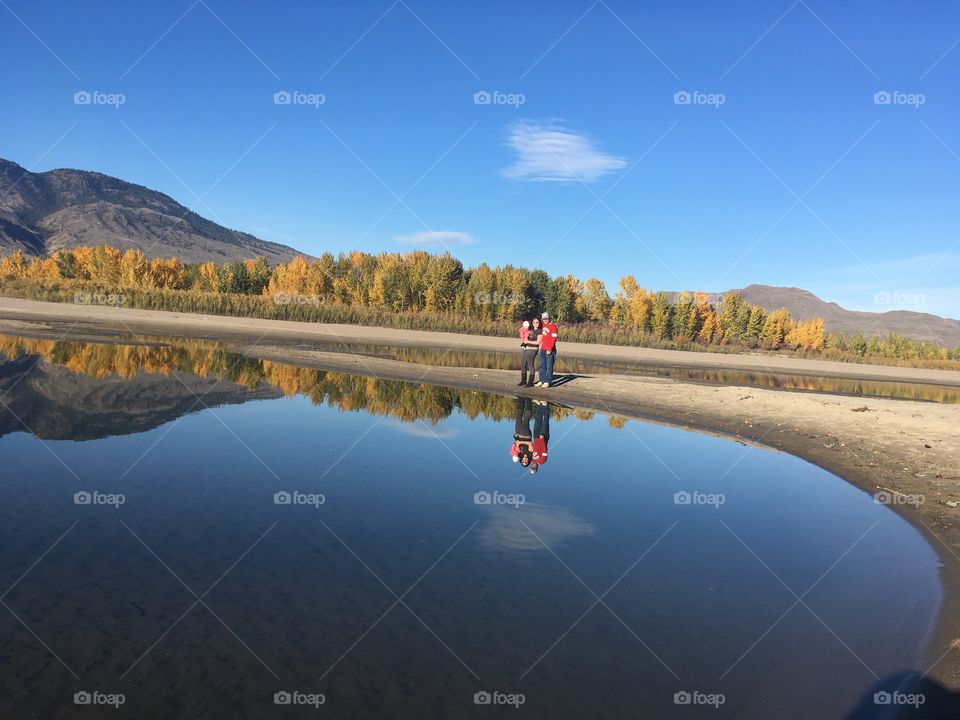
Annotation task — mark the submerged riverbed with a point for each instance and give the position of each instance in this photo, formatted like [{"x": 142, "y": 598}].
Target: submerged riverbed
[{"x": 208, "y": 535}]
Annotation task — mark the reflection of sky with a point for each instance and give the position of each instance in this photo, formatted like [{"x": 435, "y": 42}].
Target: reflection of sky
[
  {"x": 401, "y": 496},
  {"x": 524, "y": 527},
  {"x": 423, "y": 429}
]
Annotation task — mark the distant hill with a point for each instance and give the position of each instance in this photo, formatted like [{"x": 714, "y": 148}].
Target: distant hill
[
  {"x": 41, "y": 213},
  {"x": 804, "y": 305}
]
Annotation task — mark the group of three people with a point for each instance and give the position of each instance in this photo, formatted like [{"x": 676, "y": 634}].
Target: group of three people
[
  {"x": 529, "y": 448},
  {"x": 538, "y": 338}
]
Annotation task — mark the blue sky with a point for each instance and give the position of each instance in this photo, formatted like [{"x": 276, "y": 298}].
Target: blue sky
[{"x": 692, "y": 144}]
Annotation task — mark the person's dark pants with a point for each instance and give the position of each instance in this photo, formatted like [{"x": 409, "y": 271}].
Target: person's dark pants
[
  {"x": 546, "y": 365},
  {"x": 541, "y": 422},
  {"x": 521, "y": 426},
  {"x": 528, "y": 363}
]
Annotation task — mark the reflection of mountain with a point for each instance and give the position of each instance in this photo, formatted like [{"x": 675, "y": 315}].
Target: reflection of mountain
[
  {"x": 81, "y": 390},
  {"x": 58, "y": 404}
]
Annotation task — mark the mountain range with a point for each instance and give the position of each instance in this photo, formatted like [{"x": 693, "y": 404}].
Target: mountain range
[
  {"x": 41, "y": 213},
  {"x": 804, "y": 305}
]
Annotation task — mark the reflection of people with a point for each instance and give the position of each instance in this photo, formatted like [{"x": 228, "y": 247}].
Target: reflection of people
[
  {"x": 522, "y": 448},
  {"x": 529, "y": 345},
  {"x": 548, "y": 351},
  {"x": 541, "y": 433}
]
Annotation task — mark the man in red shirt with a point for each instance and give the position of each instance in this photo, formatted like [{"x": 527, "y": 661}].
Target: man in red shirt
[{"x": 548, "y": 351}]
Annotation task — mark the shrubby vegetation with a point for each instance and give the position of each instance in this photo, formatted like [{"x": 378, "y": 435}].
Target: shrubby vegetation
[{"x": 419, "y": 290}]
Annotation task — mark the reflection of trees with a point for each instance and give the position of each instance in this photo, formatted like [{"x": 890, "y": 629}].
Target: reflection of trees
[
  {"x": 401, "y": 400},
  {"x": 391, "y": 398}
]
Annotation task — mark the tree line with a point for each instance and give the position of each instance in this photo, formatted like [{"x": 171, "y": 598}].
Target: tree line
[{"x": 358, "y": 286}]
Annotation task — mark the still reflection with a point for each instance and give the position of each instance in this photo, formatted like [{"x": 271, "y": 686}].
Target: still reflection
[
  {"x": 529, "y": 448},
  {"x": 83, "y": 390}
]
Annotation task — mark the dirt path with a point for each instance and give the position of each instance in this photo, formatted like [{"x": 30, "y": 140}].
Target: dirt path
[{"x": 898, "y": 446}]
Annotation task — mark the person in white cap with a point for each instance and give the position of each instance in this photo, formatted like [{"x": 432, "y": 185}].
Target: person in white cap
[{"x": 548, "y": 350}]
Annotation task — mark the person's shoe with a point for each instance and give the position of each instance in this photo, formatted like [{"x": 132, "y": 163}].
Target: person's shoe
[
  {"x": 539, "y": 384},
  {"x": 523, "y": 380},
  {"x": 530, "y": 384}
]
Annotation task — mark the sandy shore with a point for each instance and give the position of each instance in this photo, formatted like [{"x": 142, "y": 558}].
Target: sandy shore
[{"x": 900, "y": 446}]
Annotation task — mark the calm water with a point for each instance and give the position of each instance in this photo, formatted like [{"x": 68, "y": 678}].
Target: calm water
[{"x": 638, "y": 567}]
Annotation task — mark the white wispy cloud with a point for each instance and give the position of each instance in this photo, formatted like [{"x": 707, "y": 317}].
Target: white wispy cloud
[
  {"x": 436, "y": 237},
  {"x": 548, "y": 152}
]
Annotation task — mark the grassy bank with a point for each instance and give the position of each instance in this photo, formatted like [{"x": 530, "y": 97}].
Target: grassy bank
[{"x": 306, "y": 309}]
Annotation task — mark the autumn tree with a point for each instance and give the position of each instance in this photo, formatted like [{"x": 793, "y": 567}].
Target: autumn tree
[
  {"x": 684, "y": 319},
  {"x": 660, "y": 318},
  {"x": 593, "y": 303},
  {"x": 134, "y": 268},
  {"x": 775, "y": 328}
]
